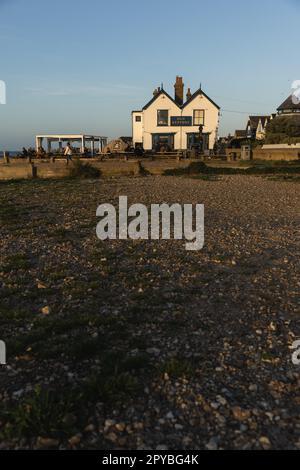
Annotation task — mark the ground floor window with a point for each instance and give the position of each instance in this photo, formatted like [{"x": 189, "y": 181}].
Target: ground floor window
[
  {"x": 194, "y": 141},
  {"x": 162, "y": 142}
]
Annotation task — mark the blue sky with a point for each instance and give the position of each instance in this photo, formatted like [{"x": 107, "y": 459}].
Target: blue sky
[{"x": 83, "y": 66}]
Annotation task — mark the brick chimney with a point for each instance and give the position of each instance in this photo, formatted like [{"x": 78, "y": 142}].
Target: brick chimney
[
  {"x": 189, "y": 94},
  {"x": 179, "y": 86}
]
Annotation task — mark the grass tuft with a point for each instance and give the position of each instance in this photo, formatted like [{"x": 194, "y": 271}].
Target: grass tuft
[
  {"x": 41, "y": 414},
  {"x": 177, "y": 368}
]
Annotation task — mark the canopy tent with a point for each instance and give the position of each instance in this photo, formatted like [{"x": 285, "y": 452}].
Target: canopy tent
[{"x": 83, "y": 139}]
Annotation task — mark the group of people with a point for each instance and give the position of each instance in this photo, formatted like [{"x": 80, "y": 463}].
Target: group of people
[{"x": 30, "y": 152}]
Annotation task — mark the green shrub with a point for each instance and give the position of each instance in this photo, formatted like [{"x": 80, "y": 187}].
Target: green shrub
[{"x": 283, "y": 130}]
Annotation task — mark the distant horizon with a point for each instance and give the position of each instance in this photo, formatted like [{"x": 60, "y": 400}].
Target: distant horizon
[{"x": 89, "y": 74}]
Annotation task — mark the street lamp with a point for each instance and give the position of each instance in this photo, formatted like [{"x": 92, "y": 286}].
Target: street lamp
[{"x": 201, "y": 138}]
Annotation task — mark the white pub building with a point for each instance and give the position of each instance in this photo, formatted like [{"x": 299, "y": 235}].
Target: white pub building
[{"x": 174, "y": 124}]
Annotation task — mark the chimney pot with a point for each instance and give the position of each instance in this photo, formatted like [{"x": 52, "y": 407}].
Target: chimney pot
[{"x": 189, "y": 94}]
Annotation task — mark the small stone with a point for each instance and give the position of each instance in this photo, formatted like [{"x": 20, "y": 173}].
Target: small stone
[
  {"x": 239, "y": 414},
  {"x": 178, "y": 427},
  {"x": 109, "y": 423},
  {"x": 215, "y": 405},
  {"x": 153, "y": 351},
  {"x": 170, "y": 415},
  {"x": 112, "y": 437},
  {"x": 40, "y": 285},
  {"x": 138, "y": 426},
  {"x": 265, "y": 442},
  {"x": 46, "y": 443},
  {"x": 186, "y": 441},
  {"x": 129, "y": 429},
  {"x": 90, "y": 428},
  {"x": 213, "y": 444},
  {"x": 120, "y": 427},
  {"x": 221, "y": 400},
  {"x": 162, "y": 447},
  {"x": 46, "y": 310},
  {"x": 75, "y": 440}
]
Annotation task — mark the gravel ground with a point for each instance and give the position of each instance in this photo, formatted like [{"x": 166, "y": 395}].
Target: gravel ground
[{"x": 141, "y": 344}]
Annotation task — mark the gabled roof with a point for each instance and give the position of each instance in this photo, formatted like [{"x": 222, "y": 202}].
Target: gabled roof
[
  {"x": 161, "y": 92},
  {"x": 289, "y": 104},
  {"x": 197, "y": 93},
  {"x": 254, "y": 121}
]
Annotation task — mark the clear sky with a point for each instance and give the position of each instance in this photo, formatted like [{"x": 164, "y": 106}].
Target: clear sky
[{"x": 82, "y": 66}]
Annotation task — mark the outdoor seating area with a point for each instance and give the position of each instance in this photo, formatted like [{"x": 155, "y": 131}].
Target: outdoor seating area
[{"x": 82, "y": 144}]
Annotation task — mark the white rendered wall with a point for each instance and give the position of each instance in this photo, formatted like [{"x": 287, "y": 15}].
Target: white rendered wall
[
  {"x": 150, "y": 120},
  {"x": 137, "y": 128},
  {"x": 180, "y": 133}
]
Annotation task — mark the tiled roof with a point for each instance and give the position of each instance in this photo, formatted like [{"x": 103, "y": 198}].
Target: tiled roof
[
  {"x": 254, "y": 121},
  {"x": 289, "y": 104}
]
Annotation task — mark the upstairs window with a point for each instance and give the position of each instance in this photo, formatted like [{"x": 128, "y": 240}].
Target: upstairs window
[
  {"x": 162, "y": 117},
  {"x": 199, "y": 117},
  {"x": 138, "y": 118}
]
